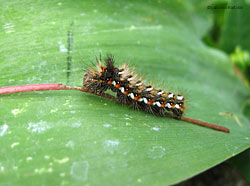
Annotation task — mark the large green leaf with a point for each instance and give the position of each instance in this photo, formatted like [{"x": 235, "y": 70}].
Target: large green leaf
[
  {"x": 235, "y": 36},
  {"x": 236, "y": 29},
  {"x": 73, "y": 138}
]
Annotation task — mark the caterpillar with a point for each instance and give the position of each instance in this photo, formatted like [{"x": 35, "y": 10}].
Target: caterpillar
[{"x": 131, "y": 90}]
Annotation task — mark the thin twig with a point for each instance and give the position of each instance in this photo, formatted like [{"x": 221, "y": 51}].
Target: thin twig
[
  {"x": 44, "y": 87},
  {"x": 204, "y": 124},
  {"x": 29, "y": 88}
]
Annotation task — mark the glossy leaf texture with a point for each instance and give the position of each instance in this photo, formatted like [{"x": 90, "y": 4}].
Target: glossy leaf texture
[
  {"x": 73, "y": 138},
  {"x": 236, "y": 30},
  {"x": 233, "y": 37}
]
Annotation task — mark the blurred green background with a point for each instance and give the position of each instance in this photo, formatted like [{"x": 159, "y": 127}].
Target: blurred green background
[{"x": 72, "y": 138}]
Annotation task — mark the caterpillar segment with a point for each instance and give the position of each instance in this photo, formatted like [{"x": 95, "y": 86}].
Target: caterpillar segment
[{"x": 131, "y": 90}]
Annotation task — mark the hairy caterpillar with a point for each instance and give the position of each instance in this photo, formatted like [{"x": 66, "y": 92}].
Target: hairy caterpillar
[
  {"x": 129, "y": 87},
  {"x": 131, "y": 90}
]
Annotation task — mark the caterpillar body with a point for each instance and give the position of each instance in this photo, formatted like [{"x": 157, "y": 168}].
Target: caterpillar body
[{"x": 131, "y": 89}]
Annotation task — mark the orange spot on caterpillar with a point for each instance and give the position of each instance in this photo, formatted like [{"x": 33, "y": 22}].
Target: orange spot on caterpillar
[
  {"x": 103, "y": 68},
  {"x": 117, "y": 85},
  {"x": 126, "y": 92},
  {"x": 150, "y": 102},
  {"x": 137, "y": 98},
  {"x": 110, "y": 81}
]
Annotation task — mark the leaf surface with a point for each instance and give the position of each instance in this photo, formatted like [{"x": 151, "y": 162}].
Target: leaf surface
[{"x": 73, "y": 138}]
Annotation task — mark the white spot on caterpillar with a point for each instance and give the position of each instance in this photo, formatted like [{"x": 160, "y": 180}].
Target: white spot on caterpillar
[
  {"x": 171, "y": 95},
  {"x": 79, "y": 170},
  {"x": 160, "y": 93},
  {"x": 122, "y": 72},
  {"x": 114, "y": 83},
  {"x": 122, "y": 89},
  {"x": 132, "y": 95},
  {"x": 149, "y": 89},
  {"x": 138, "y": 84},
  {"x": 145, "y": 100},
  {"x": 180, "y": 98},
  {"x": 129, "y": 79},
  {"x": 177, "y": 106},
  {"x": 158, "y": 104},
  {"x": 140, "y": 100},
  {"x": 168, "y": 105}
]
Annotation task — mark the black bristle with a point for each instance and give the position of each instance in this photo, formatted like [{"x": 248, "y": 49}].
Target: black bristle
[{"x": 140, "y": 97}]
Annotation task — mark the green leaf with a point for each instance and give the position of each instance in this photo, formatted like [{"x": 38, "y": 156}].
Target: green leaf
[
  {"x": 73, "y": 138},
  {"x": 236, "y": 29}
]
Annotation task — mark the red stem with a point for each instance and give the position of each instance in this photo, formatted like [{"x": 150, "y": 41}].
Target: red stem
[
  {"x": 43, "y": 87},
  {"x": 34, "y": 87},
  {"x": 204, "y": 124}
]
